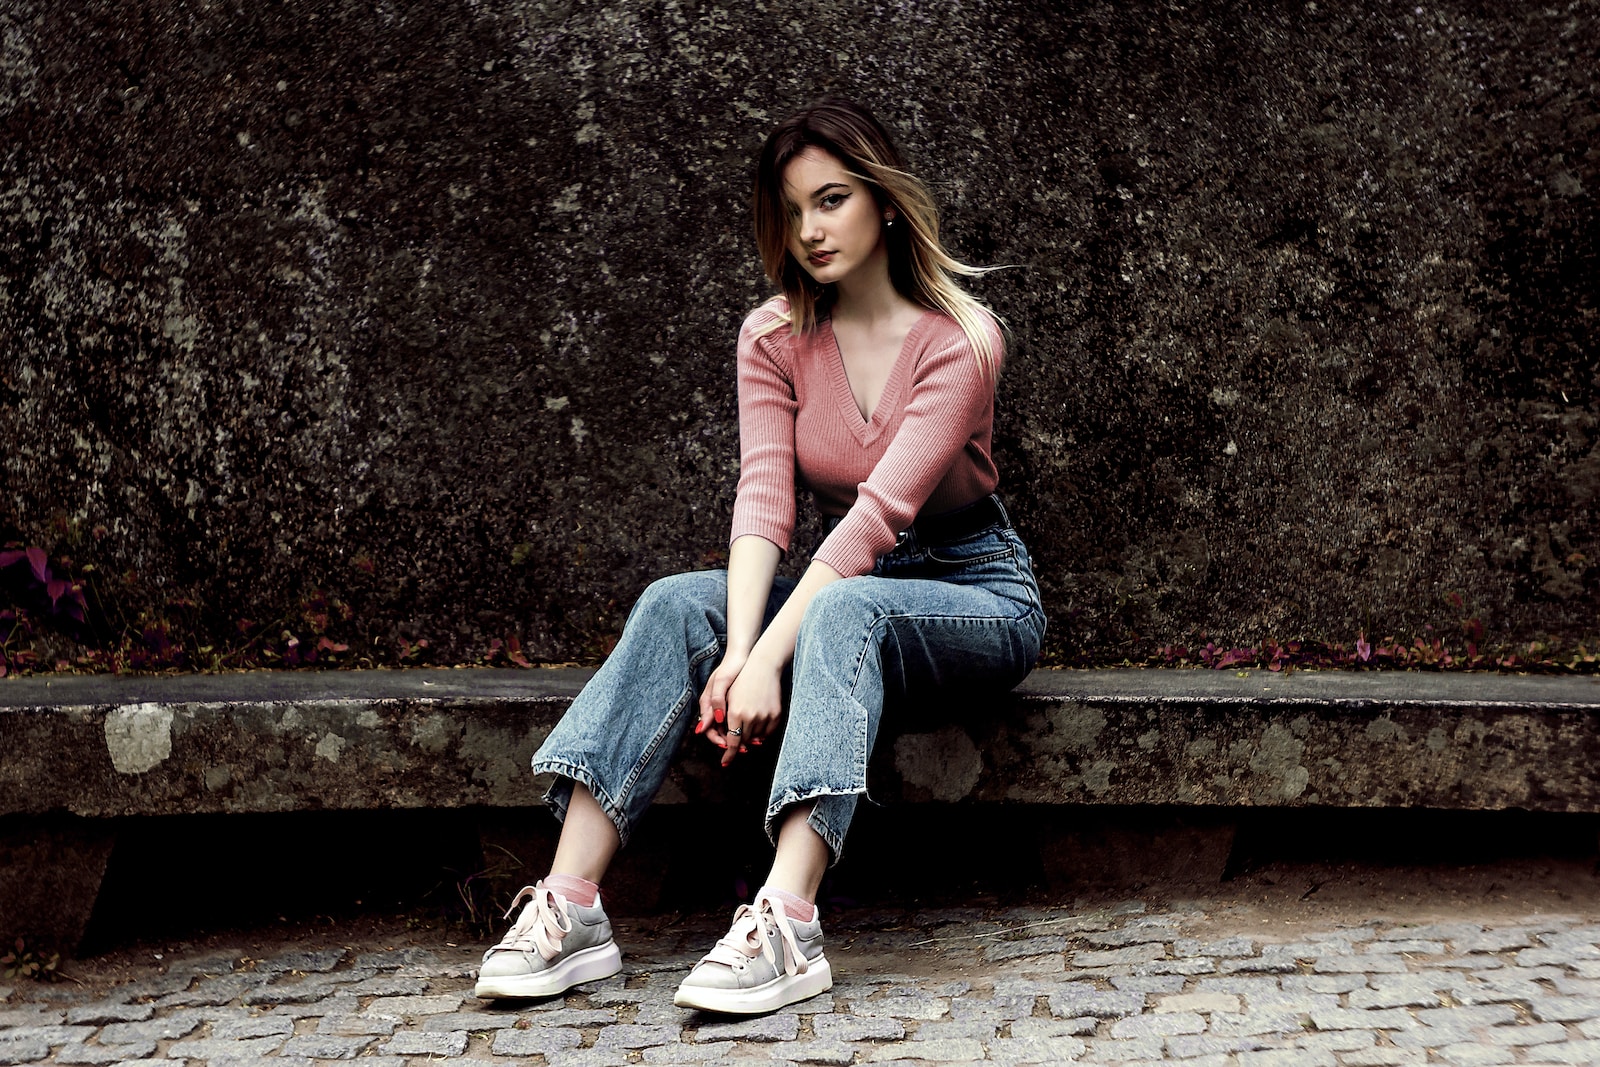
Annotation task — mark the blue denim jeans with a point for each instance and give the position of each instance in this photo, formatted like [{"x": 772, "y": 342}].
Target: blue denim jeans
[{"x": 963, "y": 613}]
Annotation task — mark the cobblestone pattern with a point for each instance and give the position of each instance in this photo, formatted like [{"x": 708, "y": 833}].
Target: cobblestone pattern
[{"x": 1024, "y": 986}]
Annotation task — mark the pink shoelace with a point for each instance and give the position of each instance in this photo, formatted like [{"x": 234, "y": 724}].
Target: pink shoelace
[
  {"x": 542, "y": 925},
  {"x": 751, "y": 936}
]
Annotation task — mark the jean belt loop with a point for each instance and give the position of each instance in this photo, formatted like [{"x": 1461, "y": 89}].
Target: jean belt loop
[{"x": 1005, "y": 516}]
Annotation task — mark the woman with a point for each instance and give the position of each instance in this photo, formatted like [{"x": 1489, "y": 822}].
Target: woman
[{"x": 872, "y": 379}]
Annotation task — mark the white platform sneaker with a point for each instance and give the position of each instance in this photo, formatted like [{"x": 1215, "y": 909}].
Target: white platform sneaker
[
  {"x": 553, "y": 946},
  {"x": 766, "y": 961}
]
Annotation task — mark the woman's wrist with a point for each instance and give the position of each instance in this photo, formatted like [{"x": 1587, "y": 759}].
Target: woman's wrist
[
  {"x": 760, "y": 659},
  {"x": 735, "y": 653}
]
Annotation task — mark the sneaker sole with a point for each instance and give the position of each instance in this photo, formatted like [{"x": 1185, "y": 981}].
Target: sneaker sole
[
  {"x": 782, "y": 990},
  {"x": 590, "y": 965}
]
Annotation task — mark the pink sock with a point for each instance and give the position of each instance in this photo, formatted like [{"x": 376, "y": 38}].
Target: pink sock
[
  {"x": 793, "y": 906},
  {"x": 580, "y": 891}
]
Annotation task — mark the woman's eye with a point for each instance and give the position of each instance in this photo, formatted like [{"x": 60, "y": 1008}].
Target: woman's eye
[{"x": 832, "y": 200}]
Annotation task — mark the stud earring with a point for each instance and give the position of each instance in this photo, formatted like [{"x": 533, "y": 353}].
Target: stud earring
[{"x": 888, "y": 220}]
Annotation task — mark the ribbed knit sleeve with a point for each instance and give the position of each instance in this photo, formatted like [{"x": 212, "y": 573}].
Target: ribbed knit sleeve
[
  {"x": 951, "y": 399},
  {"x": 765, "y": 504}
]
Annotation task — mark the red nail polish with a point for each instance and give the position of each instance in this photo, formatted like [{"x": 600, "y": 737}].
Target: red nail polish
[
  {"x": 719, "y": 713},
  {"x": 742, "y": 748},
  {"x": 699, "y": 727}
]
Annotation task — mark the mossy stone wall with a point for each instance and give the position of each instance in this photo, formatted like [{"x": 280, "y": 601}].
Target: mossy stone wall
[{"x": 425, "y": 311}]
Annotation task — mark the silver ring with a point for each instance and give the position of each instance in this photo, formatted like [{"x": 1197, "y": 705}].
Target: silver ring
[{"x": 735, "y": 731}]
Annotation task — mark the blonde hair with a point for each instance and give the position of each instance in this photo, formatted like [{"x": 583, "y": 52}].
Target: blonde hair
[{"x": 919, "y": 267}]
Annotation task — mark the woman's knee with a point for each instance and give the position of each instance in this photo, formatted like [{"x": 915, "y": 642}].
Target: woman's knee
[
  {"x": 842, "y": 607},
  {"x": 840, "y": 615},
  {"x": 679, "y": 596}
]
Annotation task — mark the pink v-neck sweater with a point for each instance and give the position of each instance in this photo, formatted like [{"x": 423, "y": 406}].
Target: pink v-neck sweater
[{"x": 925, "y": 451}]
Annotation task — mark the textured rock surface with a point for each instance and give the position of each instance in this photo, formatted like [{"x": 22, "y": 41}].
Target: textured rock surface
[
  {"x": 429, "y": 308},
  {"x": 265, "y": 741},
  {"x": 50, "y": 872}
]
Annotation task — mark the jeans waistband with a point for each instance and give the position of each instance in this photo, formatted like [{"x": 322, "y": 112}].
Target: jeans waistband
[
  {"x": 976, "y": 517},
  {"x": 942, "y": 529}
]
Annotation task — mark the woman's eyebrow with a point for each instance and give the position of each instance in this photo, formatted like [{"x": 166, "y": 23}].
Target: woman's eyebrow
[{"x": 825, "y": 187}]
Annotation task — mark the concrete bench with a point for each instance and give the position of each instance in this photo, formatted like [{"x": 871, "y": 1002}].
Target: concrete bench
[{"x": 79, "y": 754}]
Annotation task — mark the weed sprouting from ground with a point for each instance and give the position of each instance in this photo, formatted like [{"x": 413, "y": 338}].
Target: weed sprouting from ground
[{"x": 22, "y": 962}]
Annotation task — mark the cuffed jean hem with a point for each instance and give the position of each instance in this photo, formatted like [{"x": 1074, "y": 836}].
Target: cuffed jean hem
[
  {"x": 560, "y": 794},
  {"x": 829, "y": 818}
]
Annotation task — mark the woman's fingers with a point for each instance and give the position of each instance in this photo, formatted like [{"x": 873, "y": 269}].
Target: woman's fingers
[
  {"x": 755, "y": 704},
  {"x": 743, "y": 732},
  {"x": 733, "y": 744},
  {"x": 713, "y": 701}
]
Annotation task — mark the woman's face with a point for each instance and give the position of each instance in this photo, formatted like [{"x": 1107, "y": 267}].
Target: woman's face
[{"x": 836, "y": 227}]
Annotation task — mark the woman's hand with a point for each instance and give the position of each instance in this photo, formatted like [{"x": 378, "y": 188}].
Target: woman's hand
[
  {"x": 741, "y": 705},
  {"x": 714, "y": 697},
  {"x": 754, "y": 708}
]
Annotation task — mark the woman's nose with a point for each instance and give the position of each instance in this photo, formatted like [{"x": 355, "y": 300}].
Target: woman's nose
[{"x": 810, "y": 228}]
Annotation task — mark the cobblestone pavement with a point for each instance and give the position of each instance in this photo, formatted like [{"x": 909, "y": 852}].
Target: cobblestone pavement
[{"x": 1118, "y": 984}]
